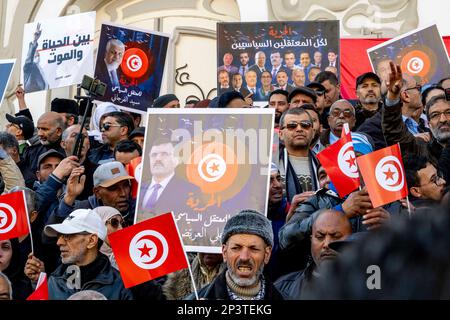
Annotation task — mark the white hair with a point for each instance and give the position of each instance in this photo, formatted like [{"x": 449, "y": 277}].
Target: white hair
[
  {"x": 114, "y": 42},
  {"x": 2, "y": 275},
  {"x": 87, "y": 295}
]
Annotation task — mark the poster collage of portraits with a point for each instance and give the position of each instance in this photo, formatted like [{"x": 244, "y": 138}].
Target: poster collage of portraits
[{"x": 257, "y": 58}]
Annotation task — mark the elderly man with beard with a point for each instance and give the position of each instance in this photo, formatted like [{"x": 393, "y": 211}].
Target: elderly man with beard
[
  {"x": 329, "y": 226},
  {"x": 395, "y": 130},
  {"x": 50, "y": 127},
  {"x": 79, "y": 238},
  {"x": 247, "y": 242}
]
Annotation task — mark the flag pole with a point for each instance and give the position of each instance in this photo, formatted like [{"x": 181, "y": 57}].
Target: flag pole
[
  {"x": 185, "y": 256},
  {"x": 409, "y": 207},
  {"x": 28, "y": 220},
  {"x": 192, "y": 279}
]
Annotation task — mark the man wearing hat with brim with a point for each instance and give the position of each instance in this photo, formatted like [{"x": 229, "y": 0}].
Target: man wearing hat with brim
[
  {"x": 112, "y": 187},
  {"x": 79, "y": 238},
  {"x": 22, "y": 128},
  {"x": 301, "y": 95},
  {"x": 247, "y": 242},
  {"x": 368, "y": 91}
]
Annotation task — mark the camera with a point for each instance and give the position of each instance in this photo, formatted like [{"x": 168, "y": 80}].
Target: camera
[{"x": 94, "y": 86}]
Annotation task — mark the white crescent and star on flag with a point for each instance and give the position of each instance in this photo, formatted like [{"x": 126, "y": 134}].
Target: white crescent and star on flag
[
  {"x": 347, "y": 161},
  {"x": 148, "y": 249},
  {"x": 8, "y": 218},
  {"x": 212, "y": 167},
  {"x": 389, "y": 174}
]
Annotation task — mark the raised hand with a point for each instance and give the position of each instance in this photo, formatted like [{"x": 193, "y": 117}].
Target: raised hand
[
  {"x": 75, "y": 185},
  {"x": 38, "y": 32},
  {"x": 395, "y": 82},
  {"x": 357, "y": 203}
]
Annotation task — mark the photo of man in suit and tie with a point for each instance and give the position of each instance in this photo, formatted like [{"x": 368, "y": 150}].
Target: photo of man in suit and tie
[
  {"x": 109, "y": 71},
  {"x": 167, "y": 191}
]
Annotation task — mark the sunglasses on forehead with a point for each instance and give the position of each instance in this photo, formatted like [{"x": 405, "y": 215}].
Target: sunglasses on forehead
[{"x": 305, "y": 124}]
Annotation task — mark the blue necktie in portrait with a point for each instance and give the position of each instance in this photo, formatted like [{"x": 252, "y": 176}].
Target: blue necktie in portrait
[{"x": 153, "y": 197}]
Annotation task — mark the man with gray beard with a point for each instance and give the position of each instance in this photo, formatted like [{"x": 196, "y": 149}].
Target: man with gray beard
[
  {"x": 109, "y": 72},
  {"x": 50, "y": 127},
  {"x": 395, "y": 130},
  {"x": 369, "y": 95},
  {"x": 247, "y": 242},
  {"x": 79, "y": 238}
]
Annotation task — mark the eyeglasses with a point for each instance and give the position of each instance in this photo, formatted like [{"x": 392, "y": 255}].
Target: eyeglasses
[
  {"x": 436, "y": 179},
  {"x": 347, "y": 113},
  {"x": 418, "y": 87},
  {"x": 106, "y": 126},
  {"x": 320, "y": 93},
  {"x": 115, "y": 222},
  {"x": 305, "y": 124},
  {"x": 437, "y": 115},
  {"x": 69, "y": 237}
]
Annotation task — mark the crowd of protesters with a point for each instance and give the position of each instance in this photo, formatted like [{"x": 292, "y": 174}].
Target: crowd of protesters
[{"x": 75, "y": 201}]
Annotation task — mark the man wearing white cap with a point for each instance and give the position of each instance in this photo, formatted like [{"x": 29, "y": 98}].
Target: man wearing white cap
[{"x": 79, "y": 238}]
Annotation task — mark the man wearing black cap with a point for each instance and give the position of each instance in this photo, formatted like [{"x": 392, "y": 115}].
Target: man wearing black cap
[
  {"x": 231, "y": 99},
  {"x": 301, "y": 95},
  {"x": 368, "y": 91},
  {"x": 138, "y": 135},
  {"x": 320, "y": 93},
  {"x": 166, "y": 101},
  {"x": 67, "y": 108},
  {"x": 22, "y": 128}
]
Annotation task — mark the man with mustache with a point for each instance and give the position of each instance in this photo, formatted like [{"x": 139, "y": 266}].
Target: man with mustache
[
  {"x": 278, "y": 100},
  {"x": 329, "y": 226},
  {"x": 341, "y": 112},
  {"x": 247, "y": 242},
  {"x": 369, "y": 95},
  {"x": 332, "y": 92},
  {"x": 395, "y": 130},
  {"x": 166, "y": 191}
]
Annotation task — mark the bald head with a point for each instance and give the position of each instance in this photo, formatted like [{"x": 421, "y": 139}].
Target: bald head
[
  {"x": 50, "y": 127},
  {"x": 329, "y": 226},
  {"x": 341, "y": 112}
]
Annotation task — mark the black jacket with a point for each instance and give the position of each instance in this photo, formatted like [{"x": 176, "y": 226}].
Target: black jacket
[
  {"x": 32, "y": 153},
  {"x": 101, "y": 155},
  {"x": 362, "y": 114},
  {"x": 372, "y": 127},
  {"x": 395, "y": 131},
  {"x": 293, "y": 285},
  {"x": 99, "y": 276},
  {"x": 217, "y": 290}
]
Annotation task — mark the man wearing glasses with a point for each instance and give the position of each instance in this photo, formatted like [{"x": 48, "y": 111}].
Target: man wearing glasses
[
  {"x": 116, "y": 127},
  {"x": 298, "y": 165},
  {"x": 425, "y": 186},
  {"x": 395, "y": 130},
  {"x": 341, "y": 112},
  {"x": 79, "y": 238}
]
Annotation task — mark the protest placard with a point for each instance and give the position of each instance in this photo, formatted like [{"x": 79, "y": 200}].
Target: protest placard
[
  {"x": 205, "y": 166},
  {"x": 57, "y": 52},
  {"x": 131, "y": 63}
]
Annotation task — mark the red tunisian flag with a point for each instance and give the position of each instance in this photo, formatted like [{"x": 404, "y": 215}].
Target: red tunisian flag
[
  {"x": 13, "y": 215},
  {"x": 384, "y": 175},
  {"x": 148, "y": 250},
  {"x": 41, "y": 292},
  {"x": 339, "y": 161}
]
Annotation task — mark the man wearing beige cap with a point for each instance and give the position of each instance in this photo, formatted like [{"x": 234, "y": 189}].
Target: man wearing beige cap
[
  {"x": 112, "y": 187},
  {"x": 79, "y": 238}
]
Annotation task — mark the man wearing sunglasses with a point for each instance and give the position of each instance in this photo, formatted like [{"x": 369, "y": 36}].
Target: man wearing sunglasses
[
  {"x": 116, "y": 127},
  {"x": 298, "y": 164}
]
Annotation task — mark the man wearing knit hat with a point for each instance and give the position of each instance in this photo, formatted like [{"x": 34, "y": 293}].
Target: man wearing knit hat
[{"x": 247, "y": 242}]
